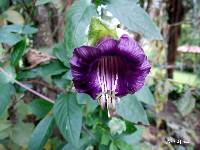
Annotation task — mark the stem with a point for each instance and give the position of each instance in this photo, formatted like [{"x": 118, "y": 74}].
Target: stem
[
  {"x": 26, "y": 87},
  {"x": 88, "y": 132}
]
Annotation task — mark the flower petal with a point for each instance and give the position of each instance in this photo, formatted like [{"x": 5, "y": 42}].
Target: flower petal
[
  {"x": 107, "y": 46},
  {"x": 130, "y": 49},
  {"x": 132, "y": 79},
  {"x": 122, "y": 61},
  {"x": 84, "y": 77},
  {"x": 88, "y": 83}
]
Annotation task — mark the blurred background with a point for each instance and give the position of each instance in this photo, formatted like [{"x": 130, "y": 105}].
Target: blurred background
[{"x": 41, "y": 27}]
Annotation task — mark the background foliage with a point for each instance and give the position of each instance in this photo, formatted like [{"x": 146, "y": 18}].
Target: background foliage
[{"x": 39, "y": 108}]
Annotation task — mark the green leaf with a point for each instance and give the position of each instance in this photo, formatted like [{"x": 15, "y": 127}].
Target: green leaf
[
  {"x": 91, "y": 105},
  {"x": 132, "y": 110},
  {"x": 85, "y": 99},
  {"x": 98, "y": 30},
  {"x": 133, "y": 138},
  {"x": 186, "y": 104},
  {"x": 123, "y": 145},
  {"x": 3, "y": 78},
  {"x": 78, "y": 18},
  {"x": 5, "y": 126},
  {"x": 4, "y": 134},
  {"x": 18, "y": 52},
  {"x": 6, "y": 91},
  {"x": 13, "y": 16},
  {"x": 21, "y": 110},
  {"x": 3, "y": 5},
  {"x": 61, "y": 82},
  {"x": 42, "y": 2},
  {"x": 145, "y": 95},
  {"x": 45, "y": 71},
  {"x": 39, "y": 107},
  {"x": 9, "y": 38},
  {"x": 21, "y": 133},
  {"x": 60, "y": 52},
  {"x": 41, "y": 133},
  {"x": 105, "y": 139},
  {"x": 103, "y": 147},
  {"x": 68, "y": 75},
  {"x": 68, "y": 117},
  {"x": 83, "y": 143},
  {"x": 20, "y": 29},
  {"x": 99, "y": 2},
  {"x": 134, "y": 17},
  {"x": 113, "y": 147},
  {"x": 69, "y": 147},
  {"x": 130, "y": 128}
]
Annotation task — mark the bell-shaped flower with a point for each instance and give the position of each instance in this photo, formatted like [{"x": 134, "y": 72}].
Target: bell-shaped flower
[{"x": 110, "y": 70}]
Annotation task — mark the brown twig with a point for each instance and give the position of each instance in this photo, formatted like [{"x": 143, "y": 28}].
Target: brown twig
[
  {"x": 50, "y": 87},
  {"x": 26, "y": 87},
  {"x": 181, "y": 22}
]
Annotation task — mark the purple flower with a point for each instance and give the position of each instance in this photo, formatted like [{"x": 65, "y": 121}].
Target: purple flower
[{"x": 112, "y": 69}]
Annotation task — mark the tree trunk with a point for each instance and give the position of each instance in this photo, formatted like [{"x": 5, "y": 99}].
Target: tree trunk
[
  {"x": 175, "y": 11},
  {"x": 44, "y": 37}
]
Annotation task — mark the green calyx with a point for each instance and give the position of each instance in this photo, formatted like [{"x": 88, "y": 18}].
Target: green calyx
[{"x": 99, "y": 30}]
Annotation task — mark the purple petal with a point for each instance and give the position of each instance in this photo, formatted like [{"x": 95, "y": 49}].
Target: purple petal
[
  {"x": 84, "y": 77},
  {"x": 88, "y": 83},
  {"x": 134, "y": 77},
  {"x": 107, "y": 46},
  {"x": 130, "y": 49},
  {"x": 95, "y": 70}
]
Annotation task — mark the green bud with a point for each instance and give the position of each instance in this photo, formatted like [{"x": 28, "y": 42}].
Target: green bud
[{"x": 117, "y": 126}]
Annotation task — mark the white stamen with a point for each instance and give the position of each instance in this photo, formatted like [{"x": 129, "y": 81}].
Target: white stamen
[{"x": 107, "y": 73}]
